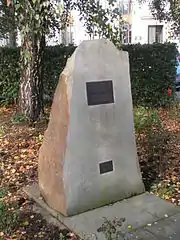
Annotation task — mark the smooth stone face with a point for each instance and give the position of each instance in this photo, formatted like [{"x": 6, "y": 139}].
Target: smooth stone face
[{"x": 88, "y": 157}]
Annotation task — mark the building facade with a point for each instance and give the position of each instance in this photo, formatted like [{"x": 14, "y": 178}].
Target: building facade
[
  {"x": 140, "y": 26},
  {"x": 145, "y": 28}
]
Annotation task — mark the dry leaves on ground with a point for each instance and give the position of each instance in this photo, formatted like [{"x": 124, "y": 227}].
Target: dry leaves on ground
[{"x": 19, "y": 146}]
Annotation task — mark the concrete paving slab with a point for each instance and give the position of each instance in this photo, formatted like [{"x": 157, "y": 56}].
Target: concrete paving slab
[
  {"x": 164, "y": 229},
  {"x": 138, "y": 212},
  {"x": 168, "y": 228},
  {"x": 140, "y": 235},
  {"x": 178, "y": 96},
  {"x": 156, "y": 206}
]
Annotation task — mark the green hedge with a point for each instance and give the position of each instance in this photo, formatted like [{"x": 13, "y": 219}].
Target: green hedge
[
  {"x": 9, "y": 74},
  {"x": 152, "y": 69},
  {"x": 55, "y": 61}
]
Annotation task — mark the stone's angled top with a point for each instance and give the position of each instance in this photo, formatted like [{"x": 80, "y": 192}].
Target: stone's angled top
[
  {"x": 88, "y": 157},
  {"x": 97, "y": 42},
  {"x": 99, "y": 46}
]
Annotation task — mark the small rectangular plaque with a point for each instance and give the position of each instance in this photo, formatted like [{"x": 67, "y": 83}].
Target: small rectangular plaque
[
  {"x": 106, "y": 167},
  {"x": 100, "y": 92}
]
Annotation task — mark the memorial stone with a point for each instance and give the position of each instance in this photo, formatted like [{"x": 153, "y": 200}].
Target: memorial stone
[{"x": 88, "y": 157}]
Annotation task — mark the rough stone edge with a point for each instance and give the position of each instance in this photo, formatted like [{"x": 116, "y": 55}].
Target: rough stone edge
[{"x": 39, "y": 200}]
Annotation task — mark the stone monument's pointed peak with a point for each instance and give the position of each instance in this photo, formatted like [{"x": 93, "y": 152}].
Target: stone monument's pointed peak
[{"x": 96, "y": 41}]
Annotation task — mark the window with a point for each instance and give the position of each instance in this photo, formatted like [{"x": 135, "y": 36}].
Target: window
[
  {"x": 125, "y": 7},
  {"x": 66, "y": 36},
  {"x": 155, "y": 34},
  {"x": 127, "y": 34}
]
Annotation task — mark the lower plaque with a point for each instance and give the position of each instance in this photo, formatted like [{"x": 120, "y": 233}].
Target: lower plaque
[{"x": 106, "y": 167}]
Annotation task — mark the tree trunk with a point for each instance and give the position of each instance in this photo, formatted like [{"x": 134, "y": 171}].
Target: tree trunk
[
  {"x": 31, "y": 82},
  {"x": 12, "y": 38},
  {"x": 13, "y": 29}
]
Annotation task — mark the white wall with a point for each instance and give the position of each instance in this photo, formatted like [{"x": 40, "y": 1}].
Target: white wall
[
  {"x": 3, "y": 42},
  {"x": 78, "y": 29},
  {"x": 141, "y": 19}
]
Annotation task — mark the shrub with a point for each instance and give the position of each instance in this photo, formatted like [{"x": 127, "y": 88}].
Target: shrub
[
  {"x": 152, "y": 70},
  {"x": 9, "y": 74},
  {"x": 54, "y": 63},
  {"x": 112, "y": 229}
]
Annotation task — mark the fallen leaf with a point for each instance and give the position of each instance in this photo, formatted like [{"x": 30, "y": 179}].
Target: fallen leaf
[
  {"x": 26, "y": 223},
  {"x": 13, "y": 170},
  {"x": 129, "y": 226}
]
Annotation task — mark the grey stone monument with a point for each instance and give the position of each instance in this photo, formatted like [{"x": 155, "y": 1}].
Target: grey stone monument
[{"x": 88, "y": 158}]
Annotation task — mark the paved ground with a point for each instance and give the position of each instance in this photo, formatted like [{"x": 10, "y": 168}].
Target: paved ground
[
  {"x": 168, "y": 228},
  {"x": 147, "y": 217},
  {"x": 178, "y": 96}
]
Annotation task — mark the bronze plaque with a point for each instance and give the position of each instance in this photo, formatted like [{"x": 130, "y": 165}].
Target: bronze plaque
[
  {"x": 100, "y": 92},
  {"x": 106, "y": 167}
]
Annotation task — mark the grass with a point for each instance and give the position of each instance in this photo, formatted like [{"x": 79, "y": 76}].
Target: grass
[
  {"x": 19, "y": 118},
  {"x": 145, "y": 119},
  {"x": 163, "y": 189},
  {"x": 175, "y": 112},
  {"x": 8, "y": 214},
  {"x": 1, "y": 131}
]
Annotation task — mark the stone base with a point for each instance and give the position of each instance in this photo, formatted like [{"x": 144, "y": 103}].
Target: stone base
[{"x": 138, "y": 211}]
